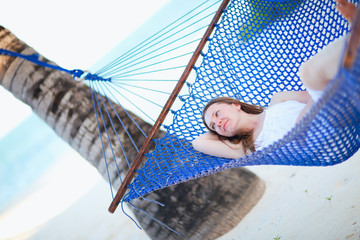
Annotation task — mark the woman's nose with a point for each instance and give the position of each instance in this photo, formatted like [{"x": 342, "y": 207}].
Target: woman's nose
[{"x": 219, "y": 122}]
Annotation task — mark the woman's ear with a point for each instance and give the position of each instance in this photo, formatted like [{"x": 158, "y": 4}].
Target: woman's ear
[{"x": 237, "y": 106}]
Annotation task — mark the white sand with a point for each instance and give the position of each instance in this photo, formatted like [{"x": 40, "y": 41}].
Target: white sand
[
  {"x": 305, "y": 203},
  {"x": 71, "y": 202}
]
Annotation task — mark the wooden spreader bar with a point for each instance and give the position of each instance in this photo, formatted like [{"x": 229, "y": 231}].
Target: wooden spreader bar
[{"x": 145, "y": 147}]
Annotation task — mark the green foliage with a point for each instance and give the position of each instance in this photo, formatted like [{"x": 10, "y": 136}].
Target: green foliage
[{"x": 260, "y": 14}]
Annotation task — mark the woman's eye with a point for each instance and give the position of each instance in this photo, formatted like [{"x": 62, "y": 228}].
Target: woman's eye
[{"x": 217, "y": 113}]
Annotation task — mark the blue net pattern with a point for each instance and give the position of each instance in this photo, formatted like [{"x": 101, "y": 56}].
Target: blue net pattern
[{"x": 255, "y": 51}]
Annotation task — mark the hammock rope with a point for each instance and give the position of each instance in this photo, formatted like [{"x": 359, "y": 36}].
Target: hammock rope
[
  {"x": 76, "y": 73},
  {"x": 165, "y": 34}
]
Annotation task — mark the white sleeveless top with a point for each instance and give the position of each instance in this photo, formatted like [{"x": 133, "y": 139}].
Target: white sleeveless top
[{"x": 279, "y": 119}]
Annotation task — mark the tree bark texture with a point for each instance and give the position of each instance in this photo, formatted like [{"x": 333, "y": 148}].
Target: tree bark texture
[{"x": 205, "y": 208}]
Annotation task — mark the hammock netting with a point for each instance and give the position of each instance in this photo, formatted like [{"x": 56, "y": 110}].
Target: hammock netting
[{"x": 255, "y": 51}]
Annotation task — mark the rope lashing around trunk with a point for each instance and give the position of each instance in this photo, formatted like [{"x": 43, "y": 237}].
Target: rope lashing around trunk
[{"x": 77, "y": 74}]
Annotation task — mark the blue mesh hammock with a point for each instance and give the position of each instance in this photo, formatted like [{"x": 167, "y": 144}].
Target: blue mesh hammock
[
  {"x": 251, "y": 55},
  {"x": 255, "y": 51}
]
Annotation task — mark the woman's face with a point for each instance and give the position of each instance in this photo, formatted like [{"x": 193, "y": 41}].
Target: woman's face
[{"x": 224, "y": 118}]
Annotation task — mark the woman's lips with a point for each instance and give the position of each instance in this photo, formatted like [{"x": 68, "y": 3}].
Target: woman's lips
[{"x": 224, "y": 125}]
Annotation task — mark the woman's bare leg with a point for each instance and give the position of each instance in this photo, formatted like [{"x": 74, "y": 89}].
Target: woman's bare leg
[{"x": 318, "y": 70}]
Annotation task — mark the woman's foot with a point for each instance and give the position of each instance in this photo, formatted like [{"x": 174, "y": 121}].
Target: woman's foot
[
  {"x": 350, "y": 12},
  {"x": 346, "y": 9}
]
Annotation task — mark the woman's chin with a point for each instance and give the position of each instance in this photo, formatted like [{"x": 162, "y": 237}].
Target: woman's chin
[{"x": 229, "y": 134}]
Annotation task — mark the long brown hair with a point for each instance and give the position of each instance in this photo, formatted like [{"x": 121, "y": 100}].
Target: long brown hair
[{"x": 246, "y": 138}]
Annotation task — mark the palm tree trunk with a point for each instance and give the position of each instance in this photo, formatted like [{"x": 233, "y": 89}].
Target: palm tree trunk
[{"x": 200, "y": 209}]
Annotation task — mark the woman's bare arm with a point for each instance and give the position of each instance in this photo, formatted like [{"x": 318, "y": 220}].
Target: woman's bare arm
[{"x": 210, "y": 144}]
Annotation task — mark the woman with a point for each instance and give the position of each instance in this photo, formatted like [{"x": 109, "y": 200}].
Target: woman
[{"x": 237, "y": 129}]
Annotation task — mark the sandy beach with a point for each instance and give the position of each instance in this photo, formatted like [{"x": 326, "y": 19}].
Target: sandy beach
[
  {"x": 299, "y": 203},
  {"x": 305, "y": 203}
]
